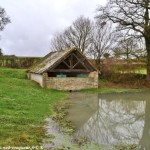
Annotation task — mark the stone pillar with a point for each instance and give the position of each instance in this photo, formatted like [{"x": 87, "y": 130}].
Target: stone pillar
[
  {"x": 96, "y": 79},
  {"x": 94, "y": 75},
  {"x": 44, "y": 80}
]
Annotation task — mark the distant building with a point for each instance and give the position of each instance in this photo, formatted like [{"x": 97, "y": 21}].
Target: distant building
[{"x": 65, "y": 70}]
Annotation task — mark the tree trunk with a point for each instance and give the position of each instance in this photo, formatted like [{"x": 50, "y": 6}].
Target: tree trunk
[
  {"x": 147, "y": 40},
  {"x": 144, "y": 142},
  {"x": 127, "y": 54},
  {"x": 98, "y": 64}
]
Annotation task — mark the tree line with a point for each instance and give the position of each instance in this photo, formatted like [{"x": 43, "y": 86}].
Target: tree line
[
  {"x": 97, "y": 39},
  {"x": 18, "y": 62}
]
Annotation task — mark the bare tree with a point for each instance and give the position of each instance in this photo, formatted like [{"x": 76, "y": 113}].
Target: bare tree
[
  {"x": 129, "y": 48},
  {"x": 103, "y": 40},
  {"x": 133, "y": 15},
  {"x": 77, "y": 35},
  {"x": 59, "y": 42},
  {"x": 3, "y": 18}
]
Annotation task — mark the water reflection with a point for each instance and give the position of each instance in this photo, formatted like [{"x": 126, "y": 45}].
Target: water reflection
[{"x": 111, "y": 119}]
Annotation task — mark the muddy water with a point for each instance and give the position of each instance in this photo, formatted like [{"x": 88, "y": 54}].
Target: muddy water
[{"x": 112, "y": 119}]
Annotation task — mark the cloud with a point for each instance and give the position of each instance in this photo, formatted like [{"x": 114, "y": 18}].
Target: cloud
[{"x": 34, "y": 22}]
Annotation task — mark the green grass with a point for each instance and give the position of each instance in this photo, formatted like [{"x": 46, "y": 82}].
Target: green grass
[
  {"x": 109, "y": 90},
  {"x": 24, "y": 105},
  {"x": 141, "y": 71},
  {"x": 138, "y": 71},
  {"x": 105, "y": 87}
]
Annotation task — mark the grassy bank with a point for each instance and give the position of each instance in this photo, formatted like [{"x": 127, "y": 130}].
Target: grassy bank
[
  {"x": 23, "y": 107},
  {"x": 106, "y": 86},
  {"x": 109, "y": 90}
]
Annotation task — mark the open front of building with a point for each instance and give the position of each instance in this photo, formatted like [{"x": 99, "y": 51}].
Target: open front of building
[{"x": 65, "y": 70}]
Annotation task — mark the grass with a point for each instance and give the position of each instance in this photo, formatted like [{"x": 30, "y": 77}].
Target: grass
[
  {"x": 24, "y": 105},
  {"x": 141, "y": 71},
  {"x": 109, "y": 90},
  {"x": 136, "y": 71},
  {"x": 106, "y": 86},
  {"x": 109, "y": 87}
]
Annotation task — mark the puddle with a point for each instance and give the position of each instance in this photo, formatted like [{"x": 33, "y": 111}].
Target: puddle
[
  {"x": 61, "y": 141},
  {"x": 112, "y": 119},
  {"x": 57, "y": 139}
]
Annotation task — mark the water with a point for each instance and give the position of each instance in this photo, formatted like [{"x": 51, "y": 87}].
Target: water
[{"x": 112, "y": 119}]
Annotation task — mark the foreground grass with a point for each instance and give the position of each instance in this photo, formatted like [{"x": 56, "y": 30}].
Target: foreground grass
[{"x": 23, "y": 107}]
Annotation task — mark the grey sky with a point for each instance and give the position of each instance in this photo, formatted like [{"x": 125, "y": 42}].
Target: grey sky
[{"x": 34, "y": 22}]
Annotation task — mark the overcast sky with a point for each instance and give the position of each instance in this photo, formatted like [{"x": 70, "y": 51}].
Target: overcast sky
[{"x": 34, "y": 22}]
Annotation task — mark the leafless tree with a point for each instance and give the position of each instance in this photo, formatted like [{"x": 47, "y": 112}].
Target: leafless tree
[
  {"x": 77, "y": 35},
  {"x": 59, "y": 42},
  {"x": 133, "y": 15},
  {"x": 103, "y": 40},
  {"x": 129, "y": 48},
  {"x": 3, "y": 18}
]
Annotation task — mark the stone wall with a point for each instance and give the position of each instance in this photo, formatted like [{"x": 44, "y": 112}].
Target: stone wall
[
  {"x": 73, "y": 83},
  {"x": 70, "y": 83},
  {"x": 37, "y": 78}
]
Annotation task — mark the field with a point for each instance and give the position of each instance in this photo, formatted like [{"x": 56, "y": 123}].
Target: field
[
  {"x": 24, "y": 105},
  {"x": 137, "y": 71}
]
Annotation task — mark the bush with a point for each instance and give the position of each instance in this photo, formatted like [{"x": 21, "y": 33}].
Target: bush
[{"x": 123, "y": 73}]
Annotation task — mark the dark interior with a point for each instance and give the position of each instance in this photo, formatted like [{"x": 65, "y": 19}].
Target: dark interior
[
  {"x": 70, "y": 74},
  {"x": 73, "y": 65}
]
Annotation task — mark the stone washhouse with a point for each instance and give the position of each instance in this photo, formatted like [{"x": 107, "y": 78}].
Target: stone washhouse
[{"x": 64, "y": 70}]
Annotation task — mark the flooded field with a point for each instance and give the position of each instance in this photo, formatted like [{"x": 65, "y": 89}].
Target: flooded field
[{"x": 112, "y": 119}]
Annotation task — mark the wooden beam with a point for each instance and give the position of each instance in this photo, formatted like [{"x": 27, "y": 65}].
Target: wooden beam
[
  {"x": 57, "y": 63},
  {"x": 71, "y": 61},
  {"x": 79, "y": 61},
  {"x": 66, "y": 64},
  {"x": 89, "y": 64},
  {"x": 76, "y": 56},
  {"x": 70, "y": 70},
  {"x": 70, "y": 64}
]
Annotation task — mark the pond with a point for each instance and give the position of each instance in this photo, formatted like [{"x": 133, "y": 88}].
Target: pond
[{"x": 112, "y": 119}]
